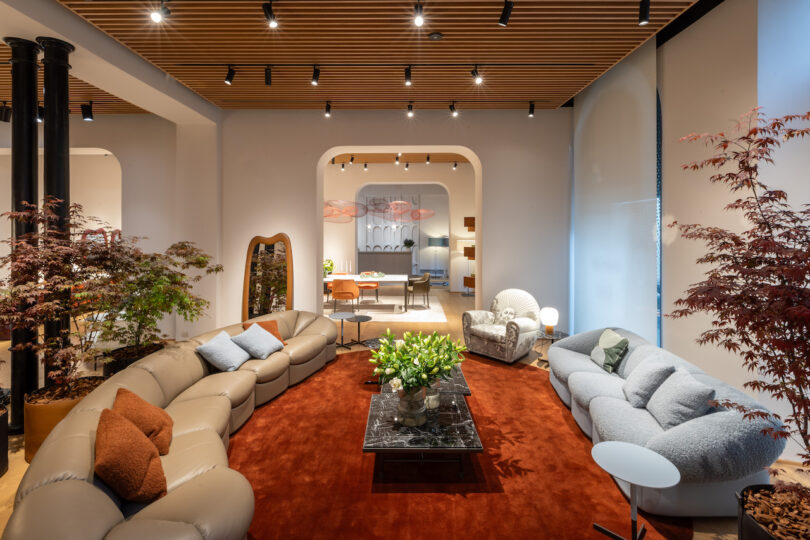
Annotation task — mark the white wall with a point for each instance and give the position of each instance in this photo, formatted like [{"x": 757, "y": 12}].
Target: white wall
[
  {"x": 460, "y": 185},
  {"x": 614, "y": 199},
  {"x": 269, "y": 167},
  {"x": 707, "y": 77}
]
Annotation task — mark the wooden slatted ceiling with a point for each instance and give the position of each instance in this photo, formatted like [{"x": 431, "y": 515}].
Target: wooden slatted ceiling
[
  {"x": 408, "y": 157},
  {"x": 80, "y": 91},
  {"x": 549, "y": 52}
]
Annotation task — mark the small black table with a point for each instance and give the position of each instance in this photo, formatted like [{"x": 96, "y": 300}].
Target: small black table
[
  {"x": 358, "y": 319},
  {"x": 342, "y": 316}
]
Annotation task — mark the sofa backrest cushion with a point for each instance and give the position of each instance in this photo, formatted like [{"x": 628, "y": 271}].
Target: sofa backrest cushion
[
  {"x": 175, "y": 368},
  {"x": 138, "y": 381},
  {"x": 679, "y": 399},
  {"x": 644, "y": 352},
  {"x": 286, "y": 322},
  {"x": 642, "y": 383}
]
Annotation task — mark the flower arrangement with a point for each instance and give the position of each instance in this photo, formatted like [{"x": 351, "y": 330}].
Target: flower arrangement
[
  {"x": 417, "y": 360},
  {"x": 328, "y": 266}
]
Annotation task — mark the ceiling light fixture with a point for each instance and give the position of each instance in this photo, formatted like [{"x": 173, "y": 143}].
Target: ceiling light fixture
[
  {"x": 476, "y": 76},
  {"x": 644, "y": 12},
  {"x": 410, "y": 110},
  {"x": 87, "y": 111},
  {"x": 351, "y": 161},
  {"x": 408, "y": 76},
  {"x": 268, "y": 76},
  {"x": 40, "y": 114},
  {"x": 407, "y": 165},
  {"x": 396, "y": 160},
  {"x": 230, "y": 75},
  {"x": 418, "y": 15},
  {"x": 267, "y": 7},
  {"x": 453, "y": 110},
  {"x": 427, "y": 160},
  {"x": 158, "y": 15},
  {"x": 531, "y": 109},
  {"x": 316, "y": 74},
  {"x": 327, "y": 112},
  {"x": 365, "y": 168},
  {"x": 5, "y": 113},
  {"x": 342, "y": 167},
  {"x": 399, "y": 154},
  {"x": 506, "y": 13},
  {"x": 455, "y": 165}
]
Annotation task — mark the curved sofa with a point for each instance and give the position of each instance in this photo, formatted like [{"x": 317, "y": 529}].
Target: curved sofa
[
  {"x": 717, "y": 454},
  {"x": 59, "y": 497}
]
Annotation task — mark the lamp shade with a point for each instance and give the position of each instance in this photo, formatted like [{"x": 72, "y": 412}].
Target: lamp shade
[
  {"x": 438, "y": 241},
  {"x": 549, "y": 316}
]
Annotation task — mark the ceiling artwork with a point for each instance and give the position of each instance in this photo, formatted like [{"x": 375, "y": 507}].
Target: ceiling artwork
[{"x": 372, "y": 55}]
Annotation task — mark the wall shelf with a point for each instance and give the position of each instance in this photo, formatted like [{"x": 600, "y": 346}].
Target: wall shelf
[
  {"x": 469, "y": 222},
  {"x": 469, "y": 252}
]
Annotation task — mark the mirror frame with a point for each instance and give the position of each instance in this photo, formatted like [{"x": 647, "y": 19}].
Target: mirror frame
[{"x": 281, "y": 237}]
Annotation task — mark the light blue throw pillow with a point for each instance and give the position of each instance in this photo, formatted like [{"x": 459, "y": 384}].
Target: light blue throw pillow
[
  {"x": 679, "y": 399},
  {"x": 223, "y": 353},
  {"x": 258, "y": 342},
  {"x": 643, "y": 381}
]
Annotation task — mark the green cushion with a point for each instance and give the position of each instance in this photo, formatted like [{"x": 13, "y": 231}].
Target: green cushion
[{"x": 610, "y": 350}]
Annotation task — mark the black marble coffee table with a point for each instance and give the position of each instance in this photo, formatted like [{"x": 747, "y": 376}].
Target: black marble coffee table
[{"x": 457, "y": 384}]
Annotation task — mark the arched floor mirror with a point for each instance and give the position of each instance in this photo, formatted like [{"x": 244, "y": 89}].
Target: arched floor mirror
[{"x": 268, "y": 285}]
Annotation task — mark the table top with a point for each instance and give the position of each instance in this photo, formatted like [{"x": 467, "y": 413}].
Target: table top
[
  {"x": 449, "y": 428},
  {"x": 342, "y": 315},
  {"x": 555, "y": 336},
  {"x": 635, "y": 464},
  {"x": 361, "y": 318},
  {"x": 388, "y": 278},
  {"x": 457, "y": 384}
]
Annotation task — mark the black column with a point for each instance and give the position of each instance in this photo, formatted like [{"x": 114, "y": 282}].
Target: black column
[
  {"x": 57, "y": 151},
  {"x": 24, "y": 366}
]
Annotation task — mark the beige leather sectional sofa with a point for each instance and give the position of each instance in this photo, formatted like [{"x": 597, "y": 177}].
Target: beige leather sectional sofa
[{"x": 59, "y": 497}]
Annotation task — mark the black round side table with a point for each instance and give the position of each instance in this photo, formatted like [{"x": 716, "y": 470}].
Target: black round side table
[
  {"x": 358, "y": 319},
  {"x": 342, "y": 316}
]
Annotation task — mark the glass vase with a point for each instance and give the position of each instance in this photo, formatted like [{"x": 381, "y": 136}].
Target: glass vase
[
  {"x": 411, "y": 411},
  {"x": 432, "y": 395}
]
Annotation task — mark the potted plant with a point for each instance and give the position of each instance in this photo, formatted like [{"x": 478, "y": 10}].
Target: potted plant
[
  {"x": 328, "y": 267},
  {"x": 408, "y": 243},
  {"x": 55, "y": 278},
  {"x": 413, "y": 364},
  {"x": 757, "y": 291},
  {"x": 144, "y": 288}
]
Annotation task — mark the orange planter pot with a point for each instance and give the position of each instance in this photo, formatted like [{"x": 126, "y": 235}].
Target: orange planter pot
[{"x": 40, "y": 419}]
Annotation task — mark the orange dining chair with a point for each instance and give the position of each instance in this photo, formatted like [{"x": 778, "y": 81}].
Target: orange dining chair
[
  {"x": 344, "y": 289},
  {"x": 369, "y": 286},
  {"x": 329, "y": 284}
]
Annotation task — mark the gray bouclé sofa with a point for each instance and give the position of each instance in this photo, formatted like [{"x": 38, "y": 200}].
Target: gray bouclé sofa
[{"x": 717, "y": 454}]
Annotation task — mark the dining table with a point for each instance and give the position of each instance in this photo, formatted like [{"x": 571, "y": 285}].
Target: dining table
[{"x": 387, "y": 279}]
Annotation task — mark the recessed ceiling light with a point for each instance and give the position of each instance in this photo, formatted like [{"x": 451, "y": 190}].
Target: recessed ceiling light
[
  {"x": 435, "y": 36},
  {"x": 418, "y": 15}
]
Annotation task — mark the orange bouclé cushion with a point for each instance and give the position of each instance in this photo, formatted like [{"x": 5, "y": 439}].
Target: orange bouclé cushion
[
  {"x": 270, "y": 326},
  {"x": 153, "y": 421},
  {"x": 126, "y": 460}
]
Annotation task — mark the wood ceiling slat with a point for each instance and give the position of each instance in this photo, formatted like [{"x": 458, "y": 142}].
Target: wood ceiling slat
[{"x": 362, "y": 48}]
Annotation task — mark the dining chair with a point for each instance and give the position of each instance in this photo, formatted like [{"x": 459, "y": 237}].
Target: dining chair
[
  {"x": 344, "y": 289},
  {"x": 420, "y": 286}
]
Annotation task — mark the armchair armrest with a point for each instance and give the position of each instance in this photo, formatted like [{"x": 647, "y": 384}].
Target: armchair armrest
[
  {"x": 524, "y": 324},
  {"x": 477, "y": 316}
]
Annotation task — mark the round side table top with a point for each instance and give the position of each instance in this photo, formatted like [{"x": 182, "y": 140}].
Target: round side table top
[
  {"x": 342, "y": 315},
  {"x": 554, "y": 336},
  {"x": 361, "y": 318},
  {"x": 635, "y": 464}
]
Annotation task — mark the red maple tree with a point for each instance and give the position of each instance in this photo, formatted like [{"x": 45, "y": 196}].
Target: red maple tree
[{"x": 757, "y": 289}]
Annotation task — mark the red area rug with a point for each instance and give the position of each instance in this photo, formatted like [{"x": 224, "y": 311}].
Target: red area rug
[{"x": 302, "y": 453}]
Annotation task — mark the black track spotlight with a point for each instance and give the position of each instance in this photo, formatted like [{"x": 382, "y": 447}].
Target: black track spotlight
[
  {"x": 644, "y": 12},
  {"x": 506, "y": 13},
  {"x": 40, "y": 114},
  {"x": 455, "y": 165},
  {"x": 410, "y": 110},
  {"x": 477, "y": 78},
  {"x": 351, "y": 160},
  {"x": 268, "y": 76},
  {"x": 5, "y": 113},
  {"x": 87, "y": 111},
  {"x": 396, "y": 160},
  {"x": 531, "y": 109},
  {"x": 418, "y": 14},
  {"x": 160, "y": 14},
  {"x": 342, "y": 167},
  {"x": 327, "y": 112},
  {"x": 407, "y": 165},
  {"x": 365, "y": 166},
  {"x": 408, "y": 76},
  {"x": 267, "y": 7},
  {"x": 427, "y": 160},
  {"x": 230, "y": 75},
  {"x": 453, "y": 110},
  {"x": 316, "y": 75}
]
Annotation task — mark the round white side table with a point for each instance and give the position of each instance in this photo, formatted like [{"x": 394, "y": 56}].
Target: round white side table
[{"x": 639, "y": 467}]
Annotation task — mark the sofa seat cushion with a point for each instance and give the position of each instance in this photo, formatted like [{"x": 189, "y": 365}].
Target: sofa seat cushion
[
  {"x": 269, "y": 369},
  {"x": 302, "y": 349},
  {"x": 584, "y": 386},
  {"x": 237, "y": 386},
  {"x": 191, "y": 455},
  {"x": 206, "y": 413},
  {"x": 490, "y": 332},
  {"x": 616, "y": 420},
  {"x": 564, "y": 362}
]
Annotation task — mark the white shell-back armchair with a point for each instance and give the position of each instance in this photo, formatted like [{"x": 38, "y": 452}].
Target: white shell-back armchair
[{"x": 508, "y": 330}]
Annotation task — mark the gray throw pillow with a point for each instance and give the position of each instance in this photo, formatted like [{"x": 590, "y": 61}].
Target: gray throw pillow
[
  {"x": 258, "y": 342},
  {"x": 223, "y": 353},
  {"x": 643, "y": 381},
  {"x": 679, "y": 399},
  {"x": 610, "y": 350}
]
